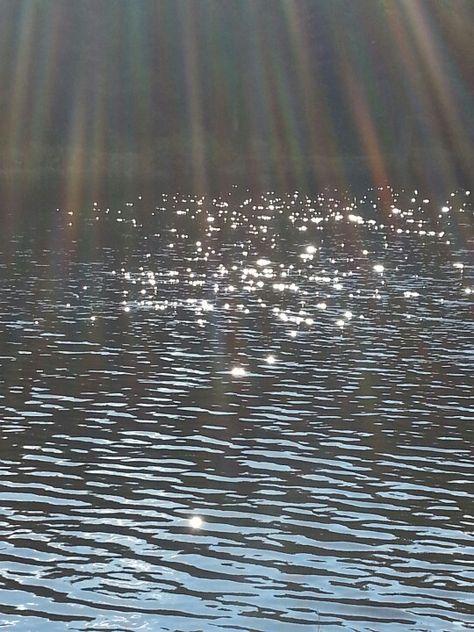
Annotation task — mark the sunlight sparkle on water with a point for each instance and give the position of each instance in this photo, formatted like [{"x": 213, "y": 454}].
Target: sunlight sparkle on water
[
  {"x": 238, "y": 371},
  {"x": 196, "y": 522}
]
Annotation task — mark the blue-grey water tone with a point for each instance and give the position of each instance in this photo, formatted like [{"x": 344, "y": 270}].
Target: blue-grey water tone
[{"x": 246, "y": 413}]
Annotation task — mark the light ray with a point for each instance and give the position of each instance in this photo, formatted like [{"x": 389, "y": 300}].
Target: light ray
[
  {"x": 439, "y": 70},
  {"x": 197, "y": 140},
  {"x": 19, "y": 109}
]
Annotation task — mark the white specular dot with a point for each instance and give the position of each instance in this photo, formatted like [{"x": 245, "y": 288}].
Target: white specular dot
[
  {"x": 238, "y": 371},
  {"x": 195, "y": 522}
]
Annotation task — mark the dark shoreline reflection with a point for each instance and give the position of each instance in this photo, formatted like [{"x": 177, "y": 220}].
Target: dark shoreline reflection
[{"x": 295, "y": 371}]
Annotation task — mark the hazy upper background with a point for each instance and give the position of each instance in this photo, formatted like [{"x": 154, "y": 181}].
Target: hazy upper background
[{"x": 252, "y": 91}]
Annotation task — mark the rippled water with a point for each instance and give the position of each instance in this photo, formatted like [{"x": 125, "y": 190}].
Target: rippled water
[{"x": 243, "y": 413}]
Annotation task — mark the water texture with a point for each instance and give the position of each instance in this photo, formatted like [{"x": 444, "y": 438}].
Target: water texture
[{"x": 244, "y": 413}]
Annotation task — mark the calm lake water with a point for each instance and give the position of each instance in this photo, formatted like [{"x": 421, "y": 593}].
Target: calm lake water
[{"x": 246, "y": 413}]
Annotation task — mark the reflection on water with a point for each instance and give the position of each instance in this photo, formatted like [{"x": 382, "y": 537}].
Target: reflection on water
[{"x": 241, "y": 413}]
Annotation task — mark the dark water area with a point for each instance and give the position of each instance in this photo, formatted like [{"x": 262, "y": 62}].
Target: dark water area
[{"x": 245, "y": 412}]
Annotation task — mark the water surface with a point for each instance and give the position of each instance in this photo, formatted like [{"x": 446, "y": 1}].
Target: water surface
[{"x": 244, "y": 413}]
